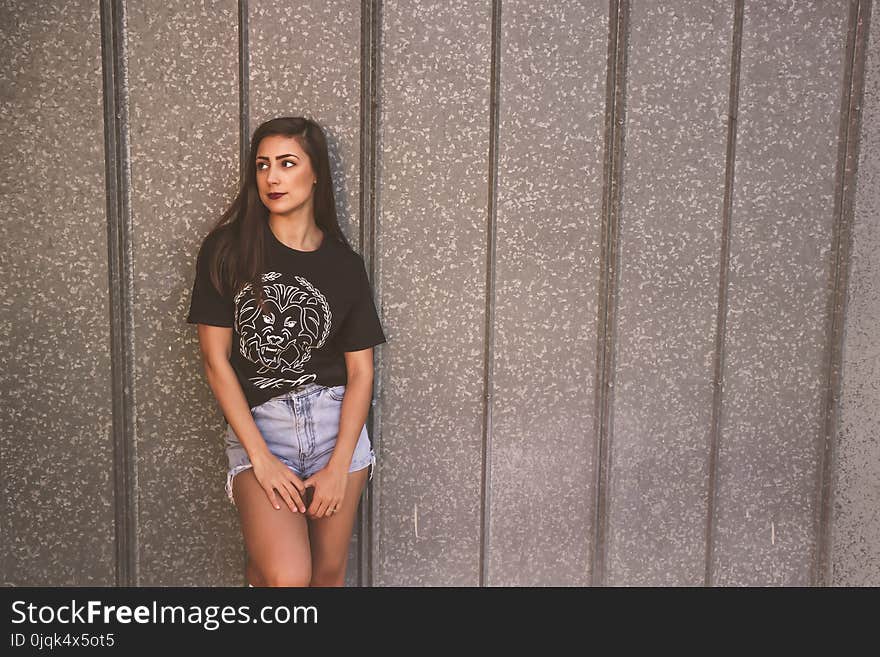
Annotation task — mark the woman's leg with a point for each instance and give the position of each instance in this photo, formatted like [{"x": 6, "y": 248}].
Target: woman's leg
[
  {"x": 330, "y": 536},
  {"x": 277, "y": 540},
  {"x": 253, "y": 576}
]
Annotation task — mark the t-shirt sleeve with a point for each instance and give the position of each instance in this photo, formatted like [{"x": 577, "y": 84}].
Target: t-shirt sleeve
[
  {"x": 361, "y": 328},
  {"x": 207, "y": 305}
]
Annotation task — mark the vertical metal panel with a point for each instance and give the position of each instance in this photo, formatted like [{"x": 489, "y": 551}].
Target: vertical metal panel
[
  {"x": 615, "y": 90},
  {"x": 244, "y": 99},
  {"x": 489, "y": 316},
  {"x": 723, "y": 275},
  {"x": 117, "y": 174},
  {"x": 55, "y": 420},
  {"x": 369, "y": 156},
  {"x": 844, "y": 186},
  {"x": 670, "y": 229},
  {"x": 445, "y": 276},
  {"x": 431, "y": 264},
  {"x": 184, "y": 158},
  {"x": 305, "y": 60},
  {"x": 855, "y": 556},
  {"x": 783, "y": 211},
  {"x": 549, "y": 202}
]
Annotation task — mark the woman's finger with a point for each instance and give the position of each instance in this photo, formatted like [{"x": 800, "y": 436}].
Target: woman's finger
[
  {"x": 298, "y": 484},
  {"x": 270, "y": 493},
  {"x": 297, "y": 498},
  {"x": 287, "y": 495},
  {"x": 277, "y": 492}
]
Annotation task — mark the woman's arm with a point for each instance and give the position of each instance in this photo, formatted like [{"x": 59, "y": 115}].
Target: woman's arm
[
  {"x": 355, "y": 406},
  {"x": 216, "y": 344},
  {"x": 329, "y": 483}
]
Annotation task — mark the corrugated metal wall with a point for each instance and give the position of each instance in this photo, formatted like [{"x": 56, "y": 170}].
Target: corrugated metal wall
[{"x": 625, "y": 254}]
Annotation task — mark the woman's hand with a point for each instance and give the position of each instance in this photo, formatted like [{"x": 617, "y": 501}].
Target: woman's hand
[
  {"x": 329, "y": 491},
  {"x": 274, "y": 476}
]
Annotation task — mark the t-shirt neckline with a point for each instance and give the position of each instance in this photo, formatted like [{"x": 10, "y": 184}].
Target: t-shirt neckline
[{"x": 284, "y": 247}]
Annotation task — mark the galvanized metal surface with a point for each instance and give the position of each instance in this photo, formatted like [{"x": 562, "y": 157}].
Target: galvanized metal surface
[{"x": 623, "y": 253}]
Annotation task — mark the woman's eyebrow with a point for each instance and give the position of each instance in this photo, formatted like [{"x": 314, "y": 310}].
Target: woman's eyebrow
[{"x": 278, "y": 157}]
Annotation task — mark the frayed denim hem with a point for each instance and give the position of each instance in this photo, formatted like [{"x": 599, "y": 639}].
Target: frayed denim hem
[{"x": 234, "y": 471}]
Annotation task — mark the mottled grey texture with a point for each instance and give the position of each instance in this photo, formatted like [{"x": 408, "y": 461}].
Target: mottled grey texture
[
  {"x": 546, "y": 268},
  {"x": 55, "y": 419},
  {"x": 777, "y": 317},
  {"x": 678, "y": 75},
  {"x": 55, "y": 423},
  {"x": 856, "y": 529},
  {"x": 183, "y": 87},
  {"x": 432, "y": 267},
  {"x": 305, "y": 60}
]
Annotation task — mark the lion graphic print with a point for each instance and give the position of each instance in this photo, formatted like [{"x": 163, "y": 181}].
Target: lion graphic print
[{"x": 296, "y": 319}]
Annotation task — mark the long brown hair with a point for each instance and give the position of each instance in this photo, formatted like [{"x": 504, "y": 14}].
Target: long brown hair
[{"x": 242, "y": 233}]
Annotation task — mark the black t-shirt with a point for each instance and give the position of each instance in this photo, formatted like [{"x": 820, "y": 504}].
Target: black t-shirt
[{"x": 317, "y": 305}]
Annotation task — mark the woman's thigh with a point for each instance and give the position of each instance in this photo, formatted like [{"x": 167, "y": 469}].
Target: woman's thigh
[
  {"x": 330, "y": 536},
  {"x": 277, "y": 540}
]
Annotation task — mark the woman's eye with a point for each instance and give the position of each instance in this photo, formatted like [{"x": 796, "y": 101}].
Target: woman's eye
[{"x": 262, "y": 165}]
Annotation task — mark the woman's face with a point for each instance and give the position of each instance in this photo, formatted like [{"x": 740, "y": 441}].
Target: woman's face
[{"x": 285, "y": 172}]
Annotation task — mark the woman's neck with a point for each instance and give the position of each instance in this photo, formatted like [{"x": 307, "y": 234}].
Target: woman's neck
[{"x": 300, "y": 233}]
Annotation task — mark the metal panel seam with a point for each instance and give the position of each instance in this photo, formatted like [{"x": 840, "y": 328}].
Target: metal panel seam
[
  {"x": 369, "y": 145},
  {"x": 488, "y": 350},
  {"x": 117, "y": 167},
  {"x": 841, "y": 246},
  {"x": 618, "y": 23},
  {"x": 723, "y": 274}
]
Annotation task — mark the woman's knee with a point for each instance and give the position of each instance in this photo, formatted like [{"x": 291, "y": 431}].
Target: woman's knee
[
  {"x": 253, "y": 576},
  {"x": 287, "y": 577},
  {"x": 329, "y": 574}
]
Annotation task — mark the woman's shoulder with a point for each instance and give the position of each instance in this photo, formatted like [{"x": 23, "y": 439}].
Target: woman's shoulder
[
  {"x": 214, "y": 239},
  {"x": 343, "y": 254}
]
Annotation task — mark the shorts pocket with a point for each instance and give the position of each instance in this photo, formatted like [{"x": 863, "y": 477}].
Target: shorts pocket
[
  {"x": 270, "y": 407},
  {"x": 230, "y": 437},
  {"x": 336, "y": 392}
]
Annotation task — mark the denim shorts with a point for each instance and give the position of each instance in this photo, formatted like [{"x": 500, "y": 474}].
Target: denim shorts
[{"x": 299, "y": 428}]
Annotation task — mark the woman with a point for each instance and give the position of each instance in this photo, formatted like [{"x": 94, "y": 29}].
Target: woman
[{"x": 287, "y": 325}]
